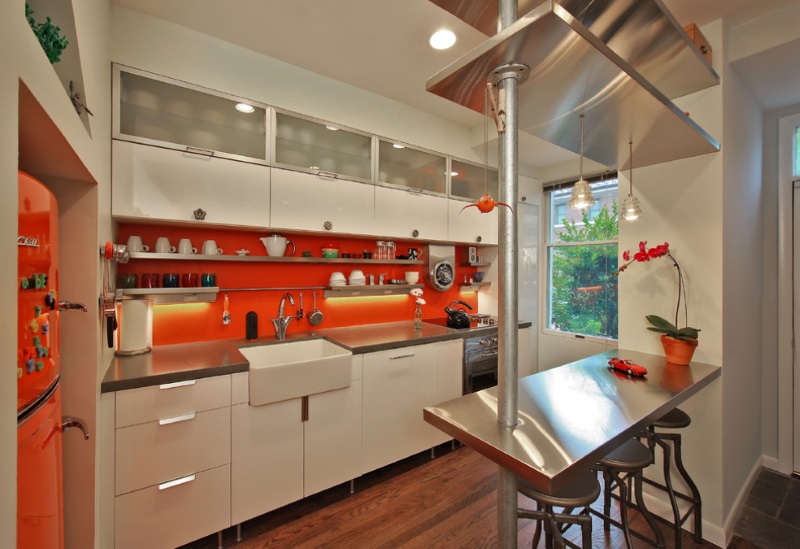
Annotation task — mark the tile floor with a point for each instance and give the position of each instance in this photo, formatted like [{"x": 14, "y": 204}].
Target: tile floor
[{"x": 770, "y": 517}]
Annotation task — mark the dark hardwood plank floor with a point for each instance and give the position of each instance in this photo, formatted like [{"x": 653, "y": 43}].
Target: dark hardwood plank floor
[{"x": 447, "y": 502}]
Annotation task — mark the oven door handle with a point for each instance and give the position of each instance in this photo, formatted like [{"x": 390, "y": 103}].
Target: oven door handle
[{"x": 488, "y": 354}]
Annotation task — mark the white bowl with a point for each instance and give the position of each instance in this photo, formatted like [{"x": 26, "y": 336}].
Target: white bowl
[
  {"x": 337, "y": 276},
  {"x": 357, "y": 273},
  {"x": 412, "y": 277}
]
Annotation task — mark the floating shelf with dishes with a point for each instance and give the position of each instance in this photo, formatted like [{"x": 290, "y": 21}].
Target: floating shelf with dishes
[
  {"x": 166, "y": 296},
  {"x": 267, "y": 259},
  {"x": 474, "y": 286},
  {"x": 373, "y": 290}
]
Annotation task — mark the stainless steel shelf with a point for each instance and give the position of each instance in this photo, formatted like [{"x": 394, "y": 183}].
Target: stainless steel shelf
[
  {"x": 374, "y": 290},
  {"x": 267, "y": 259},
  {"x": 165, "y": 296},
  {"x": 574, "y": 72},
  {"x": 474, "y": 286},
  {"x": 482, "y": 264}
]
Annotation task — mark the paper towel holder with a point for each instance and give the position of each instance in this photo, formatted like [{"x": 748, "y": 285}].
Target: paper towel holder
[{"x": 136, "y": 334}]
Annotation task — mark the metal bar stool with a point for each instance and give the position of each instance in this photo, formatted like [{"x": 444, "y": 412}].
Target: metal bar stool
[
  {"x": 675, "y": 419},
  {"x": 581, "y": 492},
  {"x": 623, "y": 464}
]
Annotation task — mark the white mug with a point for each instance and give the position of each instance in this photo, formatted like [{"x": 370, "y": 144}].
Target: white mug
[
  {"x": 163, "y": 246},
  {"x": 185, "y": 247},
  {"x": 276, "y": 245},
  {"x": 210, "y": 248},
  {"x": 135, "y": 244}
]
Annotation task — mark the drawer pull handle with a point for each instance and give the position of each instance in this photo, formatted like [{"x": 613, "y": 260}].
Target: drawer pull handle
[
  {"x": 401, "y": 356},
  {"x": 176, "y": 482},
  {"x": 177, "y": 384},
  {"x": 176, "y": 419}
]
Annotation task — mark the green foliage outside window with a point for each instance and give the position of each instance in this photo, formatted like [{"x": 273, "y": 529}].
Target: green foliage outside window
[{"x": 583, "y": 281}]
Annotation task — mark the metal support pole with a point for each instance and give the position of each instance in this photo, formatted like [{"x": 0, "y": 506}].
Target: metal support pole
[{"x": 507, "y": 79}]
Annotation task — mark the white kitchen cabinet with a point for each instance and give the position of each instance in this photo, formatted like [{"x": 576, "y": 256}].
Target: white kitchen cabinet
[
  {"x": 409, "y": 214},
  {"x": 172, "y": 463},
  {"x": 447, "y": 381},
  {"x": 310, "y": 202},
  {"x": 266, "y": 458},
  {"x": 167, "y": 185},
  {"x": 278, "y": 458},
  {"x": 470, "y": 225},
  {"x": 398, "y": 384}
]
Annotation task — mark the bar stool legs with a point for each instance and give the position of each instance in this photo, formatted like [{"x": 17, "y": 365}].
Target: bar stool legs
[
  {"x": 676, "y": 419},
  {"x": 581, "y": 492},
  {"x": 620, "y": 469}
]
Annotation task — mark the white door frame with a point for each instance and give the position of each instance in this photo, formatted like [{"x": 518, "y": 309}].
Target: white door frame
[{"x": 786, "y": 366}]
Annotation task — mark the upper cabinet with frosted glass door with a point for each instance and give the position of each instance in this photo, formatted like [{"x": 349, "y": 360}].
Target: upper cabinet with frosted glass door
[
  {"x": 321, "y": 177},
  {"x": 468, "y": 182},
  {"x": 411, "y": 195},
  {"x": 186, "y": 153}
]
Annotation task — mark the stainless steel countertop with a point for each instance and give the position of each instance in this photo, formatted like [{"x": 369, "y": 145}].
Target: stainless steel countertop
[
  {"x": 570, "y": 416},
  {"x": 180, "y": 362}
]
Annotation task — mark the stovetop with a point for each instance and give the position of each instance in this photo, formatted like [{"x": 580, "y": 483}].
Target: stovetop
[{"x": 475, "y": 321}]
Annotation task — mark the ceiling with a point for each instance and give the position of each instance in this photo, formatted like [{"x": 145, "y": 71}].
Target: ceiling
[{"x": 381, "y": 45}]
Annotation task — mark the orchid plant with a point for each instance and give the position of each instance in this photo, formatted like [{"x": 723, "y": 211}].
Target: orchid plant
[{"x": 660, "y": 324}]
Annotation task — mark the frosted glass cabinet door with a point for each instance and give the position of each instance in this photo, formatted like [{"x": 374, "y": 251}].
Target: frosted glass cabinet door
[
  {"x": 164, "y": 184},
  {"x": 408, "y": 168},
  {"x": 315, "y": 146},
  {"x": 309, "y": 202},
  {"x": 160, "y": 111}
]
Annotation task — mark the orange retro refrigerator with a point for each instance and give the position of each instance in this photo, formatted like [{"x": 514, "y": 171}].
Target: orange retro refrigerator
[{"x": 39, "y": 473}]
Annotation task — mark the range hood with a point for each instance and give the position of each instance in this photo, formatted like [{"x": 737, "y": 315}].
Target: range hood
[{"x": 589, "y": 57}]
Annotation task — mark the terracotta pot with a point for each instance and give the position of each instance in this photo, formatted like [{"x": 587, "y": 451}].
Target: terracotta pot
[{"x": 678, "y": 351}]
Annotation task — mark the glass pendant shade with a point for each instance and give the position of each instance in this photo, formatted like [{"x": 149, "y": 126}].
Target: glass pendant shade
[
  {"x": 581, "y": 192},
  {"x": 581, "y": 196},
  {"x": 631, "y": 210}
]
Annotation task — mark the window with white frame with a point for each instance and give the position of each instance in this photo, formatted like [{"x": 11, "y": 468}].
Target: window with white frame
[{"x": 582, "y": 259}]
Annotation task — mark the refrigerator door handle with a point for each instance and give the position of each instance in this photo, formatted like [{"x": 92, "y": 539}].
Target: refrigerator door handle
[
  {"x": 69, "y": 421},
  {"x": 67, "y": 305}
]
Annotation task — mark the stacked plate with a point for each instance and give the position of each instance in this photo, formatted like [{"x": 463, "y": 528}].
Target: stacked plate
[
  {"x": 357, "y": 278},
  {"x": 337, "y": 279}
]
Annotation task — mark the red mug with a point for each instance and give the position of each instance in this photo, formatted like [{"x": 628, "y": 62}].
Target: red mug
[
  {"x": 151, "y": 280},
  {"x": 189, "y": 280}
]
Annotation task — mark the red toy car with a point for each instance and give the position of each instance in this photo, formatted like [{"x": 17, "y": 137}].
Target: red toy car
[{"x": 627, "y": 366}]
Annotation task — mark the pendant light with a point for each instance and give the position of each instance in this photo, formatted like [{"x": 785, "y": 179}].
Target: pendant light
[
  {"x": 581, "y": 192},
  {"x": 631, "y": 211}
]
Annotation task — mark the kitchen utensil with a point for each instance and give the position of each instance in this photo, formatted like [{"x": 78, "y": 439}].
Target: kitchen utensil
[
  {"x": 330, "y": 250},
  {"x": 226, "y": 314},
  {"x": 251, "y": 325},
  {"x": 276, "y": 245},
  {"x": 210, "y": 248},
  {"x": 135, "y": 244},
  {"x": 457, "y": 318},
  {"x": 315, "y": 316},
  {"x": 478, "y": 277},
  {"x": 242, "y": 252},
  {"x": 163, "y": 246},
  {"x": 185, "y": 247},
  {"x": 412, "y": 277},
  {"x": 300, "y": 314}
]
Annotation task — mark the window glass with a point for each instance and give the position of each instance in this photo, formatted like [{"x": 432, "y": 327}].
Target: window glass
[{"x": 582, "y": 261}]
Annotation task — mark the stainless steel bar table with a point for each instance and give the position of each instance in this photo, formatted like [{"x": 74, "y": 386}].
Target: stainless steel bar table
[{"x": 570, "y": 416}]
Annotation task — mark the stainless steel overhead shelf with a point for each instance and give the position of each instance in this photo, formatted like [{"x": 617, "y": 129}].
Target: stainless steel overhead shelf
[{"x": 573, "y": 72}]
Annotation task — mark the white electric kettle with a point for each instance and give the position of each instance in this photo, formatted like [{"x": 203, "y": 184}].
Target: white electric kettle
[{"x": 276, "y": 245}]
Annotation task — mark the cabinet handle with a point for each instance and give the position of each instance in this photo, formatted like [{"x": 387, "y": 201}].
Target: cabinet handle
[
  {"x": 415, "y": 233},
  {"x": 176, "y": 482},
  {"x": 177, "y": 384},
  {"x": 328, "y": 225},
  {"x": 327, "y": 175},
  {"x": 479, "y": 239},
  {"x": 413, "y": 190},
  {"x": 401, "y": 356},
  {"x": 199, "y": 214},
  {"x": 304, "y": 409},
  {"x": 176, "y": 419},
  {"x": 198, "y": 150}
]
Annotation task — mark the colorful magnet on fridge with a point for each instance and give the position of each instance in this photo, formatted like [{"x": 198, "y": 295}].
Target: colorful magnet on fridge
[
  {"x": 39, "y": 351},
  {"x": 40, "y": 280},
  {"x": 33, "y": 326},
  {"x": 45, "y": 328},
  {"x": 19, "y": 373},
  {"x": 36, "y": 341},
  {"x": 24, "y": 284},
  {"x": 39, "y": 365},
  {"x": 29, "y": 365},
  {"x": 45, "y": 352},
  {"x": 37, "y": 310},
  {"x": 50, "y": 300}
]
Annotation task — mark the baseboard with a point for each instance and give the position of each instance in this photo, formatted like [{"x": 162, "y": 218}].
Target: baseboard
[
  {"x": 770, "y": 462},
  {"x": 730, "y": 521}
]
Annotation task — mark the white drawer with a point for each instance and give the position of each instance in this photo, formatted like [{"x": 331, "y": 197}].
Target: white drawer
[
  {"x": 172, "y": 399},
  {"x": 172, "y": 516},
  {"x": 158, "y": 451}
]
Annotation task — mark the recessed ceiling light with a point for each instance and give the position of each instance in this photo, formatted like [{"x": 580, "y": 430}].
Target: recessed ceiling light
[
  {"x": 332, "y": 128},
  {"x": 244, "y": 107},
  {"x": 442, "y": 39},
  {"x": 398, "y": 146}
]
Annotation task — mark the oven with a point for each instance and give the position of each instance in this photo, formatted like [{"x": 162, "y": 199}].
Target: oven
[{"x": 480, "y": 363}]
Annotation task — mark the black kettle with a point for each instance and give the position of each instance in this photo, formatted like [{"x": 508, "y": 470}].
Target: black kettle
[{"x": 457, "y": 318}]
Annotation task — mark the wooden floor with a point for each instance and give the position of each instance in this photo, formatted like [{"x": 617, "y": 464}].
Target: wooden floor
[{"x": 448, "y": 502}]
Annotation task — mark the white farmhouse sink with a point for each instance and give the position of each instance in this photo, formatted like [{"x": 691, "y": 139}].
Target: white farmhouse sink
[{"x": 281, "y": 371}]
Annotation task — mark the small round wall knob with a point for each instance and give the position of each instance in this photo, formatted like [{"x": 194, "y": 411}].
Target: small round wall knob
[
  {"x": 328, "y": 225},
  {"x": 479, "y": 239},
  {"x": 199, "y": 214},
  {"x": 415, "y": 233}
]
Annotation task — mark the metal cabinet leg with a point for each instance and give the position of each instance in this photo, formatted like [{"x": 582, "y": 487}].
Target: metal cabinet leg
[{"x": 238, "y": 532}]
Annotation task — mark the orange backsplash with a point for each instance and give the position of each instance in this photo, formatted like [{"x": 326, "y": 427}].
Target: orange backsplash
[{"x": 203, "y": 321}]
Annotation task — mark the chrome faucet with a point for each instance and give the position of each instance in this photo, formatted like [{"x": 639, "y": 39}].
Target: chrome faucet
[{"x": 282, "y": 322}]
